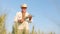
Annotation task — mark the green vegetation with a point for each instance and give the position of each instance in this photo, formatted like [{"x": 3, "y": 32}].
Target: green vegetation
[{"x": 2, "y": 24}]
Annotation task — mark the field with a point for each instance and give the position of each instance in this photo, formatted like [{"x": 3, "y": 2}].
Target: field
[{"x": 3, "y": 30}]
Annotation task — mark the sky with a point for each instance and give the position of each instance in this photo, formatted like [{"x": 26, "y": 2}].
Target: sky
[{"x": 46, "y": 13}]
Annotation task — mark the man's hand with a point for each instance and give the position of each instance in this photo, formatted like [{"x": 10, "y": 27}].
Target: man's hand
[
  {"x": 30, "y": 17},
  {"x": 21, "y": 20}
]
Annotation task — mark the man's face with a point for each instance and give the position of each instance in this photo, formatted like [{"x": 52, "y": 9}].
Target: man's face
[{"x": 23, "y": 9}]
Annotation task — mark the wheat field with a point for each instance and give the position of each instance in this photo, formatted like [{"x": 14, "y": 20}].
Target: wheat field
[{"x": 3, "y": 30}]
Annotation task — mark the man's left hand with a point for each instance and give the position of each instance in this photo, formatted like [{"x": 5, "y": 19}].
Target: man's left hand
[{"x": 30, "y": 17}]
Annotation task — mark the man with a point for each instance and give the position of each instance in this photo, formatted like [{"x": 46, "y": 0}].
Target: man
[{"x": 23, "y": 18}]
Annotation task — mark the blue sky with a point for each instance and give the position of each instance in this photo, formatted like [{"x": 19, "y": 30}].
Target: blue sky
[{"x": 46, "y": 13}]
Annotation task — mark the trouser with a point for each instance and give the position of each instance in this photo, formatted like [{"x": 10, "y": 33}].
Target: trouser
[
  {"x": 23, "y": 31},
  {"x": 21, "y": 28}
]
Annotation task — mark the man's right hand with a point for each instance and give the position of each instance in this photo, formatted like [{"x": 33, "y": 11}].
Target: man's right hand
[{"x": 21, "y": 20}]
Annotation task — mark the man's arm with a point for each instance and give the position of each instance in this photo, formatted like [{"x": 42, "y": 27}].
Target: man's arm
[
  {"x": 28, "y": 17},
  {"x": 18, "y": 18}
]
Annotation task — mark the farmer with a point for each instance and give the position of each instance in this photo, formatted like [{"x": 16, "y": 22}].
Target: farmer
[{"x": 23, "y": 18}]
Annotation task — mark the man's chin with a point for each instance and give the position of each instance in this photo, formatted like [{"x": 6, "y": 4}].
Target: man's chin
[{"x": 24, "y": 12}]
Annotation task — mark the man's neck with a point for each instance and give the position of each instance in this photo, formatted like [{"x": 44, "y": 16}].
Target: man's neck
[{"x": 23, "y": 12}]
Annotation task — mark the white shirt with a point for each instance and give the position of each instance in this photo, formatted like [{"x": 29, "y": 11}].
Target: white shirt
[
  {"x": 25, "y": 23},
  {"x": 19, "y": 16}
]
